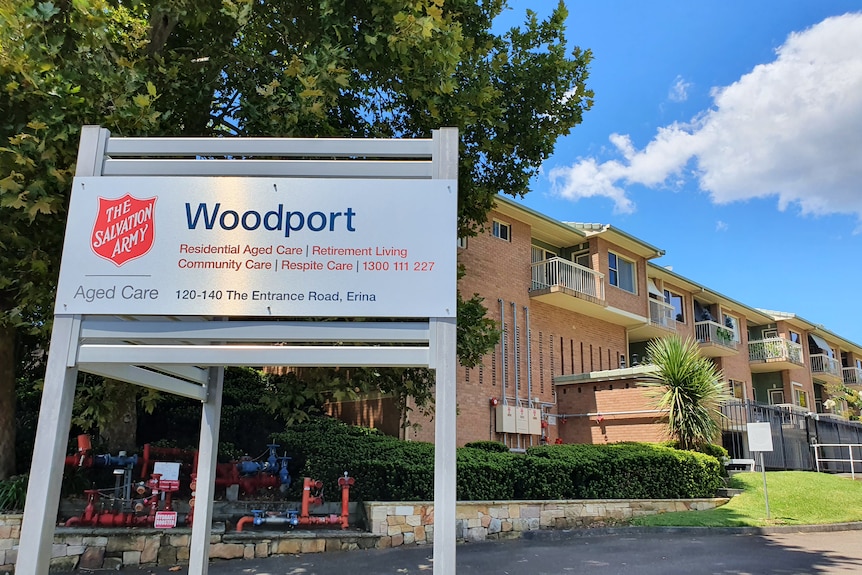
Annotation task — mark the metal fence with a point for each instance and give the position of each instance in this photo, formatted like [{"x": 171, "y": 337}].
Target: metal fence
[
  {"x": 824, "y": 456},
  {"x": 794, "y": 431}
]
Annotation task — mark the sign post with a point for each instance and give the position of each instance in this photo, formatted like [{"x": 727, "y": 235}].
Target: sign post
[
  {"x": 180, "y": 258},
  {"x": 760, "y": 440}
]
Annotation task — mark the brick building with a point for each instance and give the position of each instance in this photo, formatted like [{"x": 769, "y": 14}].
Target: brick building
[{"x": 577, "y": 305}]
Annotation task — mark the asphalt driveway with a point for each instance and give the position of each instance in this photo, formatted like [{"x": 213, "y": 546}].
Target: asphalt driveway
[{"x": 617, "y": 552}]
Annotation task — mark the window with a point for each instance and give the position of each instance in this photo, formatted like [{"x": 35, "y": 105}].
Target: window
[
  {"x": 462, "y": 243},
  {"x": 582, "y": 259},
  {"x": 794, "y": 337},
  {"x": 581, "y": 255},
  {"x": 502, "y": 231},
  {"x": 732, "y": 324},
  {"x": 546, "y": 273},
  {"x": 538, "y": 254},
  {"x": 776, "y": 396},
  {"x": 737, "y": 388},
  {"x": 676, "y": 301},
  {"x": 800, "y": 398},
  {"x": 770, "y": 333},
  {"x": 621, "y": 273},
  {"x": 820, "y": 344}
]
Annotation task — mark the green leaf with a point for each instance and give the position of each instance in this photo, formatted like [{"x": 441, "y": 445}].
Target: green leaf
[
  {"x": 141, "y": 100},
  {"x": 10, "y": 183}
]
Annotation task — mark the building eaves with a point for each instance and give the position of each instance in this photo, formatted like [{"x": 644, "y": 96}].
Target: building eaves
[
  {"x": 544, "y": 228},
  {"x": 619, "y": 237},
  {"x": 813, "y": 327}
]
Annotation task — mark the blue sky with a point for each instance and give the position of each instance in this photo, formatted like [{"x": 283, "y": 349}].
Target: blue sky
[{"x": 728, "y": 134}]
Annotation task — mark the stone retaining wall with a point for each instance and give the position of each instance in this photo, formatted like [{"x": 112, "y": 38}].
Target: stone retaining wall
[
  {"x": 389, "y": 525},
  {"x": 405, "y": 523}
]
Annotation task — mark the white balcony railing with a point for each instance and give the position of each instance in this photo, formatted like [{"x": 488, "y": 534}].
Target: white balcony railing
[
  {"x": 662, "y": 314},
  {"x": 775, "y": 349},
  {"x": 715, "y": 333},
  {"x": 568, "y": 275},
  {"x": 823, "y": 364},
  {"x": 852, "y": 375}
]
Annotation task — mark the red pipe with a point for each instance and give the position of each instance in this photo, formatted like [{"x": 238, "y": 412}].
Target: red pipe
[
  {"x": 312, "y": 495},
  {"x": 243, "y": 521},
  {"x": 345, "y": 483},
  {"x": 320, "y": 520},
  {"x": 307, "y": 498},
  {"x": 84, "y": 456}
]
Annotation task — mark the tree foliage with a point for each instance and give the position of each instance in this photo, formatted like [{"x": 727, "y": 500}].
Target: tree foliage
[
  {"x": 689, "y": 387},
  {"x": 61, "y": 65},
  {"x": 332, "y": 68}
]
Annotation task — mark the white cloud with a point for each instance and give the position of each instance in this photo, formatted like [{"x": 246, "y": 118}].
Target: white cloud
[
  {"x": 679, "y": 90},
  {"x": 791, "y": 128},
  {"x": 720, "y": 226}
]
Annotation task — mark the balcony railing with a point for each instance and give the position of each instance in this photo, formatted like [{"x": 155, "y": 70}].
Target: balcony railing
[
  {"x": 775, "y": 349},
  {"x": 662, "y": 314},
  {"x": 557, "y": 272},
  {"x": 714, "y": 333},
  {"x": 825, "y": 365},
  {"x": 852, "y": 375}
]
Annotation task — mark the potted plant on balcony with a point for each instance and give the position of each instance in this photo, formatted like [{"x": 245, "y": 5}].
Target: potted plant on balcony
[{"x": 723, "y": 335}]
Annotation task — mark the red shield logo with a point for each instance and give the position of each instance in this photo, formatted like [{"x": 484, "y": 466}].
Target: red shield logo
[{"x": 124, "y": 228}]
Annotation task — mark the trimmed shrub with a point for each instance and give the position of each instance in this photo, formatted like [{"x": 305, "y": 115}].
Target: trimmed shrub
[
  {"x": 626, "y": 471},
  {"x": 486, "y": 475},
  {"x": 492, "y": 446},
  {"x": 712, "y": 449},
  {"x": 388, "y": 469},
  {"x": 385, "y": 468}
]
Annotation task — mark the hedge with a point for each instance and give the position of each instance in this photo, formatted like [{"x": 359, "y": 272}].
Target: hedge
[{"x": 388, "y": 469}]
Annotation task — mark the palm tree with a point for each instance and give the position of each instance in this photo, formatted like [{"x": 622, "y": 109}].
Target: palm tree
[{"x": 689, "y": 387}]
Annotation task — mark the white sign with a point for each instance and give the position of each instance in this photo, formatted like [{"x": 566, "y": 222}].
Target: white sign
[
  {"x": 260, "y": 247},
  {"x": 165, "y": 520},
  {"x": 759, "y": 437},
  {"x": 168, "y": 470}
]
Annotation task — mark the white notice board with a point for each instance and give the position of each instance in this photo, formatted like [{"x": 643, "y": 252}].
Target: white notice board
[
  {"x": 759, "y": 437},
  {"x": 258, "y": 246}
]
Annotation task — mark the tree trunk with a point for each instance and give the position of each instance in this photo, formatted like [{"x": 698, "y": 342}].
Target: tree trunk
[
  {"x": 119, "y": 432},
  {"x": 7, "y": 402}
]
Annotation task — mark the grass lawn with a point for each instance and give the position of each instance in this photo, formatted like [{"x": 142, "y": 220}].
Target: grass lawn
[{"x": 795, "y": 498}]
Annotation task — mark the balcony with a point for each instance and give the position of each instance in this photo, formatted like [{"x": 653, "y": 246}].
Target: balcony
[
  {"x": 662, "y": 321},
  {"x": 715, "y": 340},
  {"x": 565, "y": 284},
  {"x": 557, "y": 274},
  {"x": 827, "y": 368},
  {"x": 853, "y": 378},
  {"x": 662, "y": 314},
  {"x": 774, "y": 354}
]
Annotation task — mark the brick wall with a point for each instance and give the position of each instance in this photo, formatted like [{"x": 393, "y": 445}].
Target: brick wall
[
  {"x": 622, "y": 405},
  {"x": 559, "y": 341},
  {"x": 619, "y": 298}
]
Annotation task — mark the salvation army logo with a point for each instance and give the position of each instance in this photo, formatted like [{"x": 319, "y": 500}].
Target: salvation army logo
[{"x": 124, "y": 228}]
